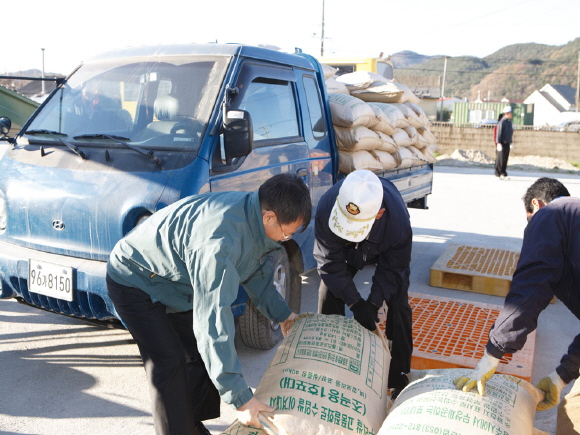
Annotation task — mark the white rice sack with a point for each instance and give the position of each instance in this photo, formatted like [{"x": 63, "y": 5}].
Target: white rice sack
[
  {"x": 387, "y": 160},
  {"x": 419, "y": 112},
  {"x": 412, "y": 132},
  {"x": 419, "y": 154},
  {"x": 357, "y": 138},
  {"x": 380, "y": 93},
  {"x": 429, "y": 137},
  {"x": 388, "y": 144},
  {"x": 328, "y": 71},
  {"x": 335, "y": 87},
  {"x": 406, "y": 158},
  {"x": 348, "y": 111},
  {"x": 394, "y": 115},
  {"x": 432, "y": 404},
  {"x": 348, "y": 162},
  {"x": 327, "y": 377},
  {"x": 401, "y": 138},
  {"x": 408, "y": 95},
  {"x": 421, "y": 141},
  {"x": 429, "y": 153},
  {"x": 357, "y": 80},
  {"x": 410, "y": 115},
  {"x": 383, "y": 122}
]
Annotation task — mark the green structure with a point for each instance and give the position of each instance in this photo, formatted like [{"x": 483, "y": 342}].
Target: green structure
[
  {"x": 15, "y": 106},
  {"x": 474, "y": 113}
]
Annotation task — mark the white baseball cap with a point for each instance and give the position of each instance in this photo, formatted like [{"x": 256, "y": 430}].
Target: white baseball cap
[
  {"x": 357, "y": 205},
  {"x": 507, "y": 109}
]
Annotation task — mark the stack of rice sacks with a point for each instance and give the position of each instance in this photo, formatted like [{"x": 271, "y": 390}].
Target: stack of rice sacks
[{"x": 378, "y": 123}]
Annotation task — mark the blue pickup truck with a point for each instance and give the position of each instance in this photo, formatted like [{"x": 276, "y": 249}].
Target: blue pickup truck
[{"x": 136, "y": 129}]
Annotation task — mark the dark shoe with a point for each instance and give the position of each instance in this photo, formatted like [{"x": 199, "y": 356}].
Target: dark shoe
[{"x": 201, "y": 428}]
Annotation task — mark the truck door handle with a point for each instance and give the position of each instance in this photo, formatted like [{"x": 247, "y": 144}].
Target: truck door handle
[{"x": 302, "y": 172}]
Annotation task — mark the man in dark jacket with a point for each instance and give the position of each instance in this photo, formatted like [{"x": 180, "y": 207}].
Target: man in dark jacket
[
  {"x": 363, "y": 220},
  {"x": 549, "y": 266},
  {"x": 504, "y": 139}
]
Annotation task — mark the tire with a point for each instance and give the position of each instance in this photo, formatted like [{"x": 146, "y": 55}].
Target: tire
[{"x": 256, "y": 330}]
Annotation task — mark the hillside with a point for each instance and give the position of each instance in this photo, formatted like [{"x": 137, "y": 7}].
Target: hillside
[{"x": 513, "y": 72}]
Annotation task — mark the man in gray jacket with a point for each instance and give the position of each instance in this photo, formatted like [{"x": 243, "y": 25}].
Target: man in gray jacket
[{"x": 173, "y": 280}]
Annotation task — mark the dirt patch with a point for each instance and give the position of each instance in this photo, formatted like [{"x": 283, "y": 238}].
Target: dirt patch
[{"x": 479, "y": 158}]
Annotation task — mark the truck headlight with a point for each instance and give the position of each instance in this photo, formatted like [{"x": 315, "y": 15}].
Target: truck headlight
[{"x": 3, "y": 214}]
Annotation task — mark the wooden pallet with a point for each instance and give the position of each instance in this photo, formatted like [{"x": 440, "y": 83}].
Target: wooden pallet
[
  {"x": 448, "y": 333},
  {"x": 475, "y": 269}
]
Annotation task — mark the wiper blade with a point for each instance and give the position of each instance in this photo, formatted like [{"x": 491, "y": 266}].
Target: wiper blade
[
  {"x": 122, "y": 140},
  {"x": 50, "y": 132},
  {"x": 55, "y": 135},
  {"x": 100, "y": 136}
]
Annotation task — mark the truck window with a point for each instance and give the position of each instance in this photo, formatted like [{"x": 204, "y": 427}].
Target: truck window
[
  {"x": 314, "y": 108},
  {"x": 272, "y": 107}
]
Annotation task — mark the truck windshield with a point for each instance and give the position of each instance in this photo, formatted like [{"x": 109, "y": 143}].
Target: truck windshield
[{"x": 165, "y": 103}]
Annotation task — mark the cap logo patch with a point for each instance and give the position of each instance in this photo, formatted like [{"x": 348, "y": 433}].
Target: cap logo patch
[{"x": 352, "y": 208}]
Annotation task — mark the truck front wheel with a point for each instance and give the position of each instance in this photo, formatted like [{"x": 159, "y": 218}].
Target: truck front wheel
[{"x": 256, "y": 330}]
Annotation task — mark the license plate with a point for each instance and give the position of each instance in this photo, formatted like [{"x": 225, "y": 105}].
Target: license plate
[{"x": 50, "y": 279}]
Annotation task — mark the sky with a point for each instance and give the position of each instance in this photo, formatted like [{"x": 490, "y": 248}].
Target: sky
[{"x": 70, "y": 35}]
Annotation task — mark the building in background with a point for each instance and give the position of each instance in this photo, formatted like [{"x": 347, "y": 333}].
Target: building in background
[{"x": 554, "y": 105}]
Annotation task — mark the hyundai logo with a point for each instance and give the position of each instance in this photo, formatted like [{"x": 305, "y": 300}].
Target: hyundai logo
[{"x": 58, "y": 225}]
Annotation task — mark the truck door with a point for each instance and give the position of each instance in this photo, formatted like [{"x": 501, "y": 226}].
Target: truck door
[{"x": 269, "y": 94}]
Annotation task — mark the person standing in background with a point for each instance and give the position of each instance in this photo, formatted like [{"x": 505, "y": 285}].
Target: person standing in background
[{"x": 504, "y": 140}]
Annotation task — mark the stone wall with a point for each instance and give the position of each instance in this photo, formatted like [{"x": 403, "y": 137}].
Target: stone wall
[{"x": 558, "y": 144}]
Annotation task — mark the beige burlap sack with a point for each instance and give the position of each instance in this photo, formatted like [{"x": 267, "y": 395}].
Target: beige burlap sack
[
  {"x": 401, "y": 138},
  {"x": 357, "y": 80},
  {"x": 380, "y": 93},
  {"x": 394, "y": 115},
  {"x": 328, "y": 377},
  {"x": 428, "y": 135},
  {"x": 238, "y": 428},
  {"x": 388, "y": 144},
  {"x": 410, "y": 115},
  {"x": 383, "y": 123},
  {"x": 408, "y": 95},
  {"x": 419, "y": 112},
  {"x": 328, "y": 71},
  {"x": 348, "y": 111},
  {"x": 407, "y": 158},
  {"x": 357, "y": 138},
  {"x": 432, "y": 404},
  {"x": 348, "y": 162},
  {"x": 387, "y": 160},
  {"x": 412, "y": 133},
  {"x": 335, "y": 87}
]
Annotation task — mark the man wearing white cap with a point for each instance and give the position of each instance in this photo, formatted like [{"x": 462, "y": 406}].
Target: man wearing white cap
[
  {"x": 504, "y": 141},
  {"x": 363, "y": 220}
]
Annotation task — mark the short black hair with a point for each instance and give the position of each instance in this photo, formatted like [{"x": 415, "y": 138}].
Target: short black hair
[
  {"x": 288, "y": 196},
  {"x": 546, "y": 190}
]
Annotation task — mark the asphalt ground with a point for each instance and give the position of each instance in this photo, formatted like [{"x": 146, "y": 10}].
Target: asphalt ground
[{"x": 60, "y": 375}]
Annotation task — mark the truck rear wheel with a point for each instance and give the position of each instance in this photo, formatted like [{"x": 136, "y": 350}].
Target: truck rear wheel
[{"x": 256, "y": 330}]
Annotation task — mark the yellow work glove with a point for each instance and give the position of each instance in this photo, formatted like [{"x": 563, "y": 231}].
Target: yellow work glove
[
  {"x": 552, "y": 387},
  {"x": 483, "y": 371}
]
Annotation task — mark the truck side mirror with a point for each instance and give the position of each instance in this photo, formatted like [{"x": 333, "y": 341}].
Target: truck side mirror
[
  {"x": 5, "y": 125},
  {"x": 238, "y": 134}
]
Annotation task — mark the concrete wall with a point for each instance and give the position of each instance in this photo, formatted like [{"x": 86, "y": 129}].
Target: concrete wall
[{"x": 558, "y": 144}]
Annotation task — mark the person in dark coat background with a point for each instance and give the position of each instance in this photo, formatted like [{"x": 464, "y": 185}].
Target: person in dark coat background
[
  {"x": 549, "y": 266},
  {"x": 363, "y": 220},
  {"x": 504, "y": 139}
]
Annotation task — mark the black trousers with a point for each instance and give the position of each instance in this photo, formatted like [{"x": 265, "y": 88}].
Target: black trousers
[
  {"x": 180, "y": 388},
  {"x": 399, "y": 328},
  {"x": 501, "y": 159}
]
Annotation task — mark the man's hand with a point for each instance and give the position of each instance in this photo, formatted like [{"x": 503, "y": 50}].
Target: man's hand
[
  {"x": 498, "y": 146},
  {"x": 365, "y": 313},
  {"x": 288, "y": 323},
  {"x": 552, "y": 387},
  {"x": 483, "y": 371},
  {"x": 247, "y": 414}
]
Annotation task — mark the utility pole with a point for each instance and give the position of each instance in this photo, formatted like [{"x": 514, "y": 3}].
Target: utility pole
[
  {"x": 578, "y": 83},
  {"x": 43, "y": 88},
  {"x": 322, "y": 32},
  {"x": 443, "y": 89}
]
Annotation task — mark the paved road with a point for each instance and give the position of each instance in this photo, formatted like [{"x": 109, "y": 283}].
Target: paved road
[{"x": 60, "y": 375}]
